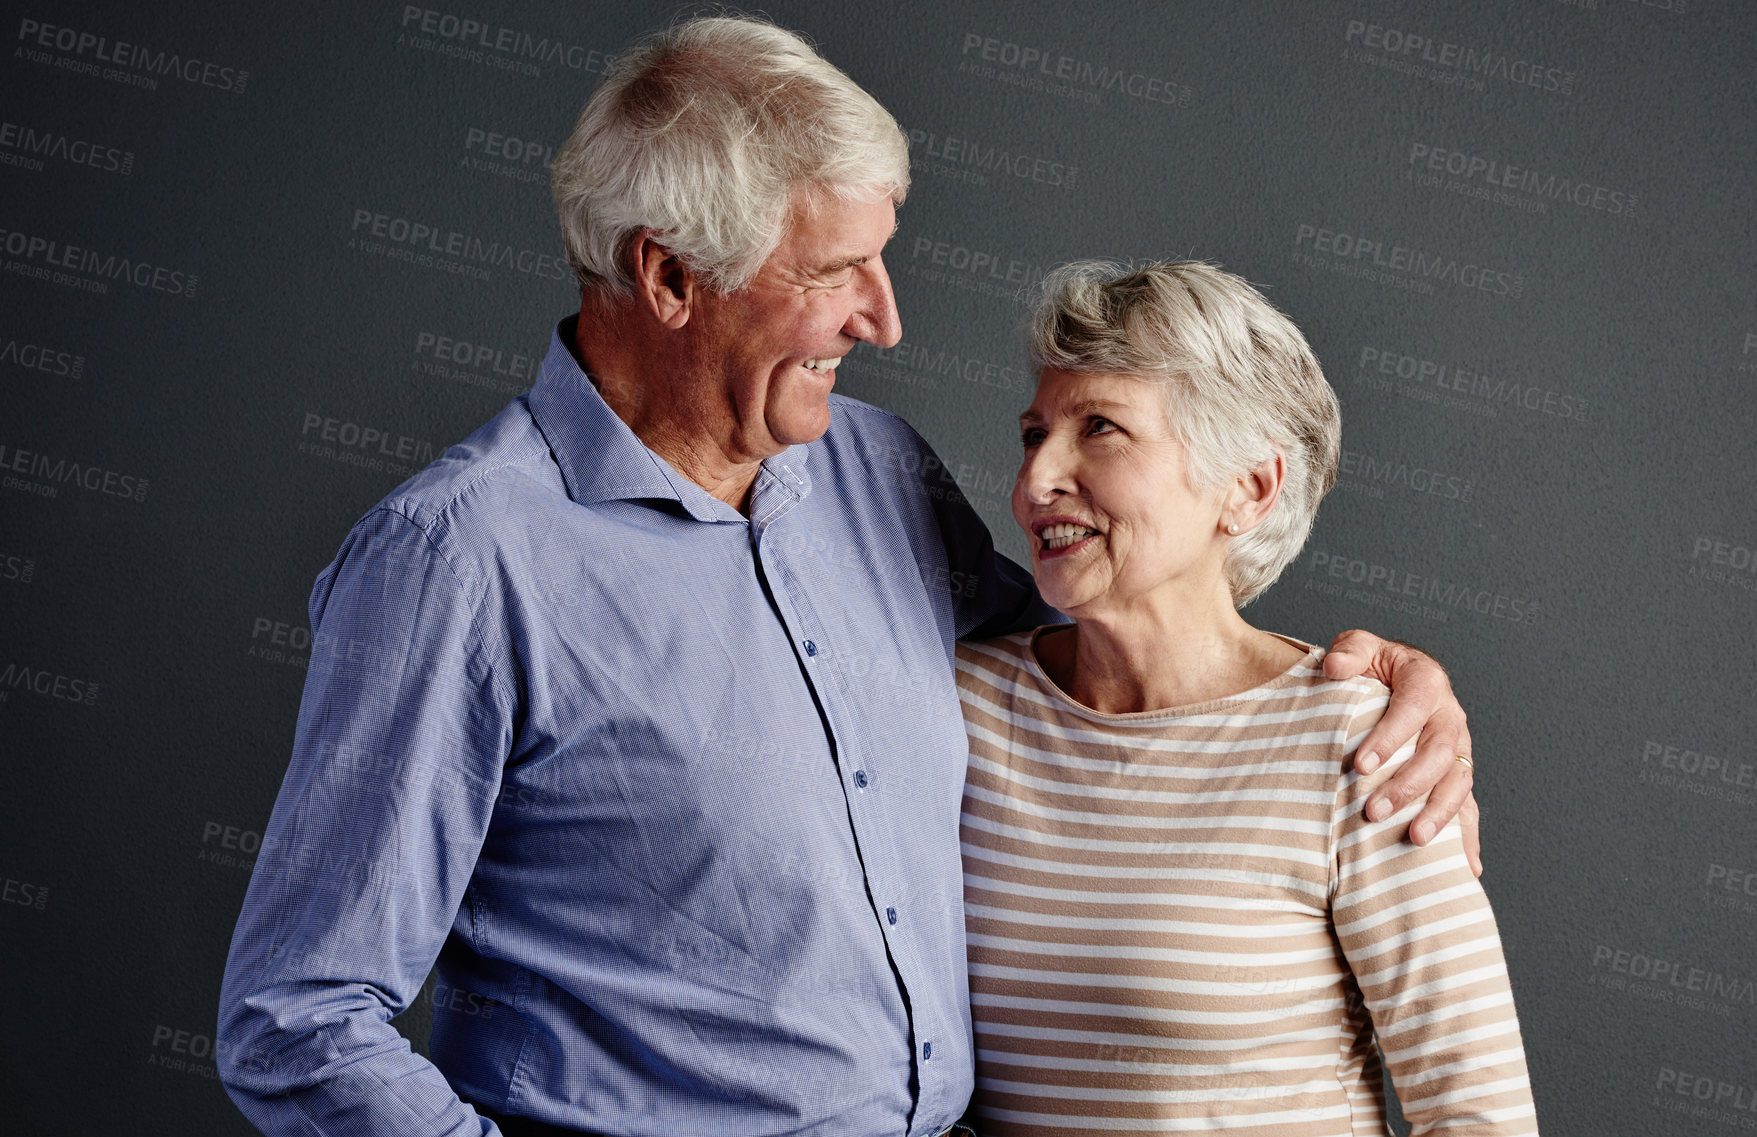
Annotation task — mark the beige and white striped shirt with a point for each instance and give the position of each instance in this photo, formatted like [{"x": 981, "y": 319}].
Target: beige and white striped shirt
[{"x": 1179, "y": 920}]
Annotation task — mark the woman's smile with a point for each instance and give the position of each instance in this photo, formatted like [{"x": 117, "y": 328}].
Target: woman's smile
[{"x": 1057, "y": 537}]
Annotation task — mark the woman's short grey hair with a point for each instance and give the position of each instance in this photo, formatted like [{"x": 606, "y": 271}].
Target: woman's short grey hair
[
  {"x": 703, "y": 133},
  {"x": 1241, "y": 383}
]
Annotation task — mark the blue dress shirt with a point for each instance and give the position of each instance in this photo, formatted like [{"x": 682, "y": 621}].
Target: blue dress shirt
[{"x": 670, "y": 793}]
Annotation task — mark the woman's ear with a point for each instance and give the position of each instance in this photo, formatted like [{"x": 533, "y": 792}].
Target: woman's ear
[{"x": 1253, "y": 495}]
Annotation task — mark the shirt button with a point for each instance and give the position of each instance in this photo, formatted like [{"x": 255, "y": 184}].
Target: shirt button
[
  {"x": 860, "y": 778},
  {"x": 927, "y": 1050},
  {"x": 810, "y": 648},
  {"x": 891, "y": 915}
]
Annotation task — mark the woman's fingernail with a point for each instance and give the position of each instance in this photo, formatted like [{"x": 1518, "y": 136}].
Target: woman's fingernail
[
  {"x": 1421, "y": 832},
  {"x": 1367, "y": 762},
  {"x": 1378, "y": 809}
]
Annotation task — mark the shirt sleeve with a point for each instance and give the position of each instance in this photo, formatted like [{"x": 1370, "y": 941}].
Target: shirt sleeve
[
  {"x": 1418, "y": 933},
  {"x": 396, "y": 762},
  {"x": 999, "y": 596}
]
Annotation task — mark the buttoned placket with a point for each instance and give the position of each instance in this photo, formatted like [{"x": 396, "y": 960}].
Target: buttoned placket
[{"x": 775, "y": 495}]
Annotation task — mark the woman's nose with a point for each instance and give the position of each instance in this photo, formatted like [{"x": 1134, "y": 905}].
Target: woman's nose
[{"x": 1047, "y": 473}]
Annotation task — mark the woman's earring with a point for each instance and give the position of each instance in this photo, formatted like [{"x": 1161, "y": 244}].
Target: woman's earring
[{"x": 1233, "y": 529}]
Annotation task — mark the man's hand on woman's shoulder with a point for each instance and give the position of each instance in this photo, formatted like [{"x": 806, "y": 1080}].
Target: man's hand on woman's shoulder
[{"x": 1421, "y": 700}]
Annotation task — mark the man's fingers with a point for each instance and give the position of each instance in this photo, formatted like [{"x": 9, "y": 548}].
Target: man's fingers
[
  {"x": 1413, "y": 704},
  {"x": 1350, "y": 653},
  {"x": 1435, "y": 756},
  {"x": 1468, "y": 818},
  {"x": 1443, "y": 804}
]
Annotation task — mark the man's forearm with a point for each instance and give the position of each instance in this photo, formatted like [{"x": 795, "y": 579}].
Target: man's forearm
[{"x": 287, "y": 1076}]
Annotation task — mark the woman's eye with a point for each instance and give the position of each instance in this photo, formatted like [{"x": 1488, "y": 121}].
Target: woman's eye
[{"x": 1102, "y": 426}]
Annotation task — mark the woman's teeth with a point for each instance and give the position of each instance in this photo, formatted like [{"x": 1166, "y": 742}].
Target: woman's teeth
[{"x": 1061, "y": 536}]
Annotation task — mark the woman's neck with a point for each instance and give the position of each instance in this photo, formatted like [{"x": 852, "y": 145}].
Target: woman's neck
[{"x": 1167, "y": 651}]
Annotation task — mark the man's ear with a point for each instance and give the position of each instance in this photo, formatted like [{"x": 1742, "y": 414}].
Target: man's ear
[{"x": 664, "y": 285}]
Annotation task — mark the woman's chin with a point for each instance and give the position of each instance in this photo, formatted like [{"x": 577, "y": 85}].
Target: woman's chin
[{"x": 1060, "y": 592}]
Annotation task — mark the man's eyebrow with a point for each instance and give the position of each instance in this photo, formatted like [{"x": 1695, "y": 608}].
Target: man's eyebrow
[
  {"x": 854, "y": 260},
  {"x": 841, "y": 263}
]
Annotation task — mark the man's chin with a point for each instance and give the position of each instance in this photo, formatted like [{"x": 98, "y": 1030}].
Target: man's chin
[{"x": 800, "y": 428}]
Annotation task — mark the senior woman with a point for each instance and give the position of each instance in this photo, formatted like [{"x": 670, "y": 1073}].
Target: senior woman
[{"x": 1177, "y": 916}]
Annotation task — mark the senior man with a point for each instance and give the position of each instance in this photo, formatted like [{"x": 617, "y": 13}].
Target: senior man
[{"x": 635, "y": 710}]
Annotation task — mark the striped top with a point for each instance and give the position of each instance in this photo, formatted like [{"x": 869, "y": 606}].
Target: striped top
[{"x": 1179, "y": 920}]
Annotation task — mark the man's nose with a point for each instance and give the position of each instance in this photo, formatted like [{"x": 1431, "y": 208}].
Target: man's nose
[{"x": 876, "y": 320}]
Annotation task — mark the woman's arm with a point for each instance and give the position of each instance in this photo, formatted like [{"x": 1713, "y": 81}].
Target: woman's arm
[{"x": 1418, "y": 933}]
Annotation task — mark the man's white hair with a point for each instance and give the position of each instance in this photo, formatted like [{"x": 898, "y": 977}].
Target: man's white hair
[
  {"x": 1240, "y": 384},
  {"x": 705, "y": 133}
]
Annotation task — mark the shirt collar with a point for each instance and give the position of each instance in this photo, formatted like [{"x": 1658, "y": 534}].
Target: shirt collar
[{"x": 601, "y": 459}]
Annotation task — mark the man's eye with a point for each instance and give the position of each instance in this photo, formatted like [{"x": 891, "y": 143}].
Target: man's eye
[{"x": 1031, "y": 437}]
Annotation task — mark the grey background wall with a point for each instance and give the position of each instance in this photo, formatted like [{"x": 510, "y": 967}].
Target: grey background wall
[{"x": 260, "y": 264}]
